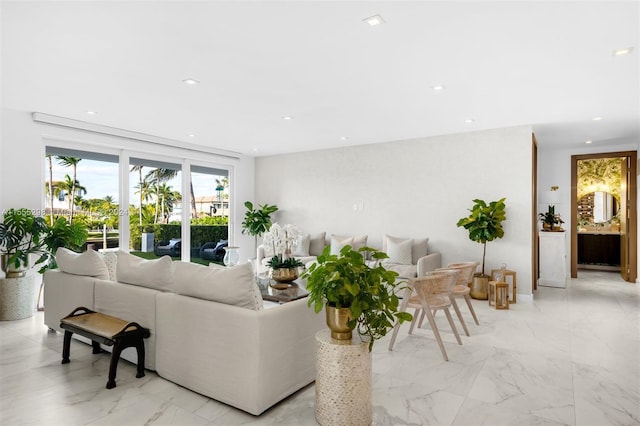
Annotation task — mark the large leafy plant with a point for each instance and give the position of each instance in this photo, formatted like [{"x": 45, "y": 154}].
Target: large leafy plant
[
  {"x": 23, "y": 234},
  {"x": 257, "y": 220},
  {"x": 346, "y": 281},
  {"x": 484, "y": 223}
]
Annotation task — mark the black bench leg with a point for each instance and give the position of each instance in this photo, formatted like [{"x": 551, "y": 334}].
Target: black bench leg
[
  {"x": 115, "y": 357},
  {"x": 140, "y": 349},
  {"x": 96, "y": 347},
  {"x": 66, "y": 346}
]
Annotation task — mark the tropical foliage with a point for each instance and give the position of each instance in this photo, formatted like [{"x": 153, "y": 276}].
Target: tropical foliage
[
  {"x": 346, "y": 281},
  {"x": 484, "y": 223}
]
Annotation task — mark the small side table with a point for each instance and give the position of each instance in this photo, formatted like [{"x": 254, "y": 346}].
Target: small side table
[
  {"x": 343, "y": 383},
  {"x": 511, "y": 282}
]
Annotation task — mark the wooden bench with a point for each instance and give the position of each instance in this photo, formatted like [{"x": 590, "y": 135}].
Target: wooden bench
[{"x": 108, "y": 330}]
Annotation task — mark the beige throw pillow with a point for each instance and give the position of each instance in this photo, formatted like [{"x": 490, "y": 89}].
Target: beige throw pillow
[
  {"x": 156, "y": 274},
  {"x": 337, "y": 243},
  {"x": 399, "y": 251},
  {"x": 316, "y": 244},
  {"x": 89, "y": 263},
  {"x": 235, "y": 285},
  {"x": 302, "y": 245}
]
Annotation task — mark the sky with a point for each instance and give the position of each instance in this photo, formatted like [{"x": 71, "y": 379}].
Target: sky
[{"x": 100, "y": 178}]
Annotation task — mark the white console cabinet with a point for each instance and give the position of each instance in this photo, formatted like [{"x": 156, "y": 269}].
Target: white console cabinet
[{"x": 552, "y": 259}]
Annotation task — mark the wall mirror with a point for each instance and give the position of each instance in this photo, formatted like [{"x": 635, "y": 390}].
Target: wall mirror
[{"x": 598, "y": 207}]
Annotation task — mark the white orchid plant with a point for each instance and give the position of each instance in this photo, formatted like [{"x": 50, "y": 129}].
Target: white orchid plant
[{"x": 282, "y": 239}]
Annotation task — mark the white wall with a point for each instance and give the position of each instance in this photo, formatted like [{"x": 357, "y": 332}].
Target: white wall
[
  {"x": 411, "y": 188},
  {"x": 554, "y": 168},
  {"x": 22, "y": 166}
]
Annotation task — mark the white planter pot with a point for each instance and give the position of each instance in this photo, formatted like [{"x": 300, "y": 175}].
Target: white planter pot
[{"x": 17, "y": 298}]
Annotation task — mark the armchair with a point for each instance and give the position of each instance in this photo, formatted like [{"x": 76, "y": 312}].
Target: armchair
[{"x": 409, "y": 257}]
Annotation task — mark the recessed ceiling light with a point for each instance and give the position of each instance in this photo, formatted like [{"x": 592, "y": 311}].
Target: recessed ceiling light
[
  {"x": 469, "y": 120},
  {"x": 287, "y": 117},
  {"x": 622, "y": 52},
  {"x": 374, "y": 20},
  {"x": 190, "y": 81},
  {"x": 438, "y": 88},
  {"x": 191, "y": 135},
  {"x": 597, "y": 118},
  {"x": 343, "y": 138},
  {"x": 588, "y": 142},
  {"x": 255, "y": 150},
  {"x": 92, "y": 112}
]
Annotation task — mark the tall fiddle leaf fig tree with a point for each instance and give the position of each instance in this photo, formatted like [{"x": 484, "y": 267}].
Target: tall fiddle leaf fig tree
[
  {"x": 257, "y": 220},
  {"x": 484, "y": 223}
]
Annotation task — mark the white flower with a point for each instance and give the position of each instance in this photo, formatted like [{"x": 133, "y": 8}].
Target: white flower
[{"x": 282, "y": 239}]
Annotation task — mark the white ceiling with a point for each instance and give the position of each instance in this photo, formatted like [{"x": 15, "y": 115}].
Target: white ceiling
[{"x": 547, "y": 64}]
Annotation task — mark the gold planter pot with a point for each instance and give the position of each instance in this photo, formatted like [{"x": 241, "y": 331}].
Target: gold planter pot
[
  {"x": 9, "y": 270},
  {"x": 479, "y": 287},
  {"x": 284, "y": 275},
  {"x": 337, "y": 321}
]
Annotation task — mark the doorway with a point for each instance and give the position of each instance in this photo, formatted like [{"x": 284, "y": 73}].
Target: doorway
[{"x": 603, "y": 213}]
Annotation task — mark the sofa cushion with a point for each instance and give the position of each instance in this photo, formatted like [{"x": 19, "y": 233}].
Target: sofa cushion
[
  {"x": 316, "y": 243},
  {"x": 399, "y": 251},
  {"x": 89, "y": 263},
  {"x": 337, "y": 243},
  {"x": 302, "y": 245},
  {"x": 404, "y": 271},
  {"x": 358, "y": 241},
  {"x": 235, "y": 285},
  {"x": 156, "y": 274},
  {"x": 419, "y": 247}
]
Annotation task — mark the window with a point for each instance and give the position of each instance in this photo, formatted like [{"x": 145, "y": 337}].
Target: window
[{"x": 83, "y": 186}]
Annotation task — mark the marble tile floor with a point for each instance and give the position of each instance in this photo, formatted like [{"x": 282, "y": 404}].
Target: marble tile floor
[{"x": 569, "y": 357}]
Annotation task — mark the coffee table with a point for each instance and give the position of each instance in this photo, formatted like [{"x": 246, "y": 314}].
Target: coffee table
[{"x": 283, "y": 292}]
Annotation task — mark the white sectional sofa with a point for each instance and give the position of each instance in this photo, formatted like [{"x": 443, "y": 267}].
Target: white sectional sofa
[
  {"x": 210, "y": 330},
  {"x": 409, "y": 257}
]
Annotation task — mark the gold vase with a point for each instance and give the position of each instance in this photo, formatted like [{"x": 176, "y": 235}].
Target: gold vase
[
  {"x": 479, "y": 287},
  {"x": 10, "y": 270},
  {"x": 337, "y": 321},
  {"x": 284, "y": 275}
]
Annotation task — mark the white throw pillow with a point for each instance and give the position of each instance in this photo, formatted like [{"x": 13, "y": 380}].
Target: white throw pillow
[
  {"x": 338, "y": 242},
  {"x": 89, "y": 263},
  {"x": 156, "y": 274},
  {"x": 302, "y": 245},
  {"x": 357, "y": 242},
  {"x": 235, "y": 285},
  {"x": 419, "y": 249},
  {"x": 111, "y": 260},
  {"x": 399, "y": 251},
  {"x": 316, "y": 244}
]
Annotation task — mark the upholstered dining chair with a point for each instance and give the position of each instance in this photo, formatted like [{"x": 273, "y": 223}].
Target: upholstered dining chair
[
  {"x": 461, "y": 289},
  {"x": 429, "y": 294}
]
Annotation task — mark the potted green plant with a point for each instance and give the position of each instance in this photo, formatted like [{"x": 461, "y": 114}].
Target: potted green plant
[
  {"x": 282, "y": 240},
  {"x": 22, "y": 234},
  {"x": 257, "y": 220},
  {"x": 550, "y": 220},
  {"x": 484, "y": 224},
  {"x": 354, "y": 294}
]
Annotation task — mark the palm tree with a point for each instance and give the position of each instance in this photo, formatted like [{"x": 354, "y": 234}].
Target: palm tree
[
  {"x": 157, "y": 177},
  {"x": 167, "y": 197},
  {"x": 221, "y": 184},
  {"x": 53, "y": 189},
  {"x": 73, "y": 163},
  {"x": 138, "y": 168},
  {"x": 72, "y": 189}
]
